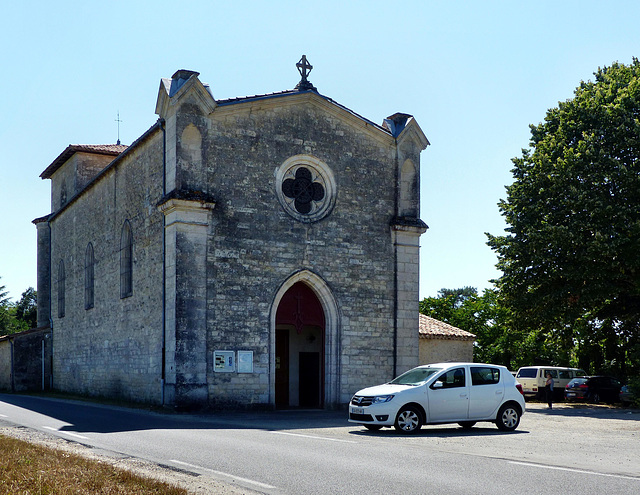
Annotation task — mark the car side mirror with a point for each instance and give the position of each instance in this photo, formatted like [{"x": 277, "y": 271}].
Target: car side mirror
[{"x": 437, "y": 385}]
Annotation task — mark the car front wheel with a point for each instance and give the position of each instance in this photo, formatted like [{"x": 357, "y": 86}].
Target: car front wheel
[
  {"x": 408, "y": 420},
  {"x": 508, "y": 417}
]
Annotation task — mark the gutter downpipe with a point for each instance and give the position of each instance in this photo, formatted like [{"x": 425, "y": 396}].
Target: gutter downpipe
[
  {"x": 395, "y": 269},
  {"x": 50, "y": 298},
  {"x": 42, "y": 361},
  {"x": 164, "y": 263}
]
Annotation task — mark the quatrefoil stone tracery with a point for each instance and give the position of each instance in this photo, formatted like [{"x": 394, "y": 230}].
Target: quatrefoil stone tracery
[
  {"x": 303, "y": 190},
  {"x": 305, "y": 187}
]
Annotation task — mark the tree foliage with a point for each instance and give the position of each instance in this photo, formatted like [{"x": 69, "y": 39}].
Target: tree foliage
[
  {"x": 500, "y": 338},
  {"x": 481, "y": 315},
  {"x": 26, "y": 308},
  {"x": 20, "y": 316},
  {"x": 570, "y": 259},
  {"x": 4, "y": 296}
]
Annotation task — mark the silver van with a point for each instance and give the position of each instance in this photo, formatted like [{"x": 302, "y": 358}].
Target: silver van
[{"x": 534, "y": 378}]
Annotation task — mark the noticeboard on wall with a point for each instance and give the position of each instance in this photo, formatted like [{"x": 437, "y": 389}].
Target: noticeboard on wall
[
  {"x": 224, "y": 361},
  {"x": 245, "y": 361}
]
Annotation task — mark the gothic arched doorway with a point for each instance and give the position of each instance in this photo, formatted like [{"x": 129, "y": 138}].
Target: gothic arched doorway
[{"x": 299, "y": 346}]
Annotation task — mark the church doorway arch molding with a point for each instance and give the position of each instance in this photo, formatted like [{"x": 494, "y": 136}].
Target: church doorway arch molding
[{"x": 304, "y": 344}]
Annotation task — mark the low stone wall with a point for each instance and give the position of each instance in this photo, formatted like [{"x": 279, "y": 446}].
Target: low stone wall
[
  {"x": 5, "y": 364},
  {"x": 25, "y": 361}
]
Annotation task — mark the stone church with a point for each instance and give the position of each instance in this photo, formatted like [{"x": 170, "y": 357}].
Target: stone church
[{"x": 248, "y": 252}]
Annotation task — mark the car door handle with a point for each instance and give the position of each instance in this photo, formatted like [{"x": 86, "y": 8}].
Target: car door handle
[
  {"x": 463, "y": 395},
  {"x": 498, "y": 392}
]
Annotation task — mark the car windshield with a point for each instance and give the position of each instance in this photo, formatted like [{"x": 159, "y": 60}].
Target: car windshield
[{"x": 416, "y": 376}]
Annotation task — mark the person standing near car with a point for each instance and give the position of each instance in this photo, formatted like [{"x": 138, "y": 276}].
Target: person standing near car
[{"x": 549, "y": 390}]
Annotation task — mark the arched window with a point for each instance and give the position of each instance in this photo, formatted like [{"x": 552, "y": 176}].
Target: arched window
[
  {"x": 61, "y": 283},
  {"x": 88, "y": 277},
  {"x": 126, "y": 261},
  {"x": 191, "y": 145},
  {"x": 408, "y": 190}
]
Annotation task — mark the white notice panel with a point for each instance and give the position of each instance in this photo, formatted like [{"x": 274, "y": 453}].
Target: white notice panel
[
  {"x": 245, "y": 361},
  {"x": 224, "y": 361}
]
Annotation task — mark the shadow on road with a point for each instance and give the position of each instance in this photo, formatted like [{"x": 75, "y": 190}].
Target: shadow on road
[
  {"x": 80, "y": 416},
  {"x": 83, "y": 416},
  {"x": 585, "y": 410},
  {"x": 441, "y": 431}
]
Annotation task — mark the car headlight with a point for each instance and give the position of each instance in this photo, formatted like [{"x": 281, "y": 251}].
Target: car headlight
[{"x": 379, "y": 399}]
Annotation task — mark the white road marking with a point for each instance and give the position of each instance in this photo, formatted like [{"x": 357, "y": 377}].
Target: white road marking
[
  {"x": 75, "y": 435},
  {"x": 225, "y": 475},
  {"x": 581, "y": 471},
  {"x": 312, "y": 436}
]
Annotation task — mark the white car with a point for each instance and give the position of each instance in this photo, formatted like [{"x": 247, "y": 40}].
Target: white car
[
  {"x": 534, "y": 378},
  {"x": 462, "y": 393}
]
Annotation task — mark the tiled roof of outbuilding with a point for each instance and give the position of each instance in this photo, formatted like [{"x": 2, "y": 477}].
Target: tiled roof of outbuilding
[
  {"x": 430, "y": 328},
  {"x": 100, "y": 149}
]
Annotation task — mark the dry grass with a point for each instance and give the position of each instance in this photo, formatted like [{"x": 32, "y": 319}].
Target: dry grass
[{"x": 31, "y": 469}]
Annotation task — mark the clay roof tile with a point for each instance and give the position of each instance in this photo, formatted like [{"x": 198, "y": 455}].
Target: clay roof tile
[{"x": 430, "y": 328}]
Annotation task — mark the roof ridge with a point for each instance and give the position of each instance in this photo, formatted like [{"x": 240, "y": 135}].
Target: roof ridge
[
  {"x": 430, "y": 327},
  {"x": 103, "y": 149}
]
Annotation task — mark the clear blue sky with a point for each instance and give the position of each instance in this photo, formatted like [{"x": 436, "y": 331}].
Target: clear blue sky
[{"x": 474, "y": 74}]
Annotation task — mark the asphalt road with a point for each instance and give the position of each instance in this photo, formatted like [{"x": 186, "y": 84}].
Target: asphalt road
[{"x": 568, "y": 450}]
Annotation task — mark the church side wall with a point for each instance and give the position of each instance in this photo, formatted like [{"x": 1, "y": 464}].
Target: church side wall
[
  {"x": 115, "y": 348},
  {"x": 255, "y": 245}
]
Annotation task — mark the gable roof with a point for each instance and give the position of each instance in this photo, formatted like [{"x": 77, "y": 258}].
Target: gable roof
[
  {"x": 430, "y": 328},
  {"x": 398, "y": 126},
  {"x": 99, "y": 149},
  {"x": 279, "y": 94},
  {"x": 183, "y": 82}
]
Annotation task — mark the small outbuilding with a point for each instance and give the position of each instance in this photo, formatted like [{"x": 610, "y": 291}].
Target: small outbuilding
[{"x": 440, "y": 342}]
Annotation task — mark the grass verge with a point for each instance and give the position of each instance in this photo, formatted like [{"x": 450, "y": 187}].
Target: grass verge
[{"x": 32, "y": 469}]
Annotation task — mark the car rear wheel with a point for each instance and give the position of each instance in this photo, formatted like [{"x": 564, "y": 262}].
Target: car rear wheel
[
  {"x": 408, "y": 420},
  {"x": 508, "y": 417},
  {"x": 373, "y": 427}
]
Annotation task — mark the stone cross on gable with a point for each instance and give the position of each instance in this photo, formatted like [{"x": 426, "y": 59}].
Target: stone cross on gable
[
  {"x": 118, "y": 121},
  {"x": 304, "y": 68}
]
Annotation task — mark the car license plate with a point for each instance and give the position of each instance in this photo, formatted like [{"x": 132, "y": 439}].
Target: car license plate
[
  {"x": 357, "y": 410},
  {"x": 570, "y": 394}
]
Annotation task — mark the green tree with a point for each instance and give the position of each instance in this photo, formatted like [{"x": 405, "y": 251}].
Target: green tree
[
  {"x": 26, "y": 308},
  {"x": 446, "y": 307},
  {"x": 4, "y": 296},
  {"x": 485, "y": 317},
  {"x": 5, "y": 317},
  {"x": 570, "y": 260},
  {"x": 20, "y": 316}
]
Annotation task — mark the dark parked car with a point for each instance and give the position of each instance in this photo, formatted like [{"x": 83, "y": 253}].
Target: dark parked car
[
  {"x": 593, "y": 389},
  {"x": 626, "y": 395}
]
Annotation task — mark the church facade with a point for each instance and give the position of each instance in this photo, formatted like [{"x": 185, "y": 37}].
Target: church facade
[{"x": 248, "y": 252}]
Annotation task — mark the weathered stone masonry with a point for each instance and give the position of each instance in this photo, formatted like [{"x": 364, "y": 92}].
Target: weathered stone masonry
[{"x": 219, "y": 240}]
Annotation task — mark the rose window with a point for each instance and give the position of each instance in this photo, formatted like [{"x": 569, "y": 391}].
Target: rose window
[{"x": 303, "y": 190}]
